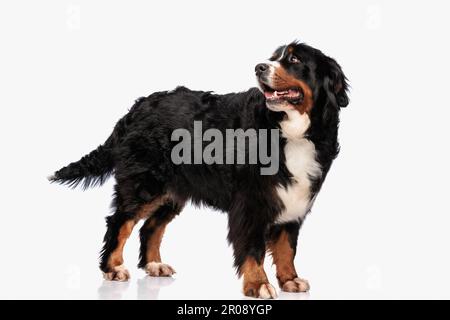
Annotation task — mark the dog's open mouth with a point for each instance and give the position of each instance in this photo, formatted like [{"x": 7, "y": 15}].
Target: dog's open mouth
[{"x": 292, "y": 95}]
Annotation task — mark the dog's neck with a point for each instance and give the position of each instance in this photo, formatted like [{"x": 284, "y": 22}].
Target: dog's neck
[{"x": 294, "y": 124}]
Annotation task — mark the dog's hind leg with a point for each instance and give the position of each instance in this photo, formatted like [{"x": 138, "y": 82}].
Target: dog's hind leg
[
  {"x": 120, "y": 225},
  {"x": 151, "y": 235},
  {"x": 128, "y": 212}
]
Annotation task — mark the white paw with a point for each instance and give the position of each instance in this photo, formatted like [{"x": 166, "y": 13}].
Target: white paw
[
  {"x": 158, "y": 269},
  {"x": 267, "y": 291},
  {"x": 118, "y": 273},
  {"x": 296, "y": 285}
]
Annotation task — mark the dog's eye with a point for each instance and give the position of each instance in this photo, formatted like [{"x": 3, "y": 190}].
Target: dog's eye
[{"x": 293, "y": 59}]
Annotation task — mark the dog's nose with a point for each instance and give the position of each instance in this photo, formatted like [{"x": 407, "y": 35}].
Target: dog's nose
[{"x": 260, "y": 68}]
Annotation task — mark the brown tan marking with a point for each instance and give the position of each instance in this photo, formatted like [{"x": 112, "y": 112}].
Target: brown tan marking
[
  {"x": 116, "y": 257},
  {"x": 256, "y": 283},
  {"x": 154, "y": 266},
  {"x": 283, "y": 257},
  {"x": 156, "y": 229},
  {"x": 282, "y": 80},
  {"x": 148, "y": 208},
  {"x": 154, "y": 242}
]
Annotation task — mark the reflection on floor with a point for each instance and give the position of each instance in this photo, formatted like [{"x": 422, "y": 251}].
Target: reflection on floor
[
  {"x": 112, "y": 290},
  {"x": 148, "y": 288}
]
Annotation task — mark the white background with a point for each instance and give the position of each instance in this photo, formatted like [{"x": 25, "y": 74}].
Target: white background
[{"x": 70, "y": 69}]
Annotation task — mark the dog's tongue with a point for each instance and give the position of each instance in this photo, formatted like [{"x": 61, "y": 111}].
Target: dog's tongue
[{"x": 276, "y": 94}]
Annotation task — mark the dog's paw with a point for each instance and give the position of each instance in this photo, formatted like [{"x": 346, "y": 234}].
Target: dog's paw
[
  {"x": 260, "y": 290},
  {"x": 158, "y": 269},
  {"x": 296, "y": 285},
  {"x": 118, "y": 273}
]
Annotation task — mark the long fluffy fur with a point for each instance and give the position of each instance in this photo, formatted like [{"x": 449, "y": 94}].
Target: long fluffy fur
[{"x": 138, "y": 154}]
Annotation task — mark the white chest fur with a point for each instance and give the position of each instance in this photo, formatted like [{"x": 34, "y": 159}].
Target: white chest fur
[{"x": 301, "y": 161}]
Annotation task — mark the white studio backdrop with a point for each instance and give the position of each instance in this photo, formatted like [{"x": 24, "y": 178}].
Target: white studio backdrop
[{"x": 70, "y": 69}]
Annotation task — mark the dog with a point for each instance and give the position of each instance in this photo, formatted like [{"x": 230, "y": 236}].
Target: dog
[{"x": 299, "y": 95}]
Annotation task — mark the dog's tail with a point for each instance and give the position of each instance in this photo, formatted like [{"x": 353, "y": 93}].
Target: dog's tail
[
  {"x": 91, "y": 170},
  {"x": 97, "y": 166}
]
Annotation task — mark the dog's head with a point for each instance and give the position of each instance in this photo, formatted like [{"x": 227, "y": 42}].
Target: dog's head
[{"x": 297, "y": 76}]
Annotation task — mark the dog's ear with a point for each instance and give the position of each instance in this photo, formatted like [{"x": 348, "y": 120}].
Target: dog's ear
[{"x": 336, "y": 84}]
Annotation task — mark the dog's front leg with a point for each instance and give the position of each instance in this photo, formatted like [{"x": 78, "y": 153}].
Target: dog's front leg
[
  {"x": 282, "y": 243},
  {"x": 247, "y": 238}
]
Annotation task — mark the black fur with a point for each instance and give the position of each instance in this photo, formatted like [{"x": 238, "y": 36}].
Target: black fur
[{"x": 138, "y": 154}]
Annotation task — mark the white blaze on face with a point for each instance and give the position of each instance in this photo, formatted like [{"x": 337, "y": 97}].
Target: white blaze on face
[
  {"x": 282, "y": 54},
  {"x": 273, "y": 65}
]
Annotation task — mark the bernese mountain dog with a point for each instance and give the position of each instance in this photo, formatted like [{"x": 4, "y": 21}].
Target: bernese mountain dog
[{"x": 300, "y": 94}]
